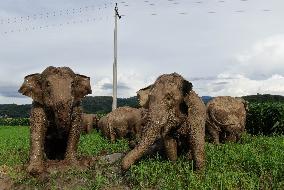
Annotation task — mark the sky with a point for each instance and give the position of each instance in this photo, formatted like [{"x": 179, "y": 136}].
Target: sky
[{"x": 224, "y": 47}]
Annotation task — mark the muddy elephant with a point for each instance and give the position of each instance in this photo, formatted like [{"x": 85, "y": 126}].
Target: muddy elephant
[
  {"x": 174, "y": 110},
  {"x": 89, "y": 122},
  {"x": 55, "y": 115},
  {"x": 226, "y": 118},
  {"x": 123, "y": 122}
]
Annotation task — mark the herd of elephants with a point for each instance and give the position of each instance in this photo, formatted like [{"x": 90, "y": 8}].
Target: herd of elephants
[{"x": 172, "y": 119}]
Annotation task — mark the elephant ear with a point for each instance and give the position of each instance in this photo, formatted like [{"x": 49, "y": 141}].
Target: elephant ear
[
  {"x": 143, "y": 96},
  {"x": 32, "y": 87},
  {"x": 82, "y": 86},
  {"x": 186, "y": 87}
]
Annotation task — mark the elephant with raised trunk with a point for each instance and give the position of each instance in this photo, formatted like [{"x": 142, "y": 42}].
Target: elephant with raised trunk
[
  {"x": 176, "y": 114},
  {"x": 226, "y": 118},
  {"x": 123, "y": 122},
  {"x": 55, "y": 115}
]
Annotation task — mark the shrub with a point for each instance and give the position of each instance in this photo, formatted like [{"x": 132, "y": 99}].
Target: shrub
[
  {"x": 14, "y": 122},
  {"x": 265, "y": 118}
]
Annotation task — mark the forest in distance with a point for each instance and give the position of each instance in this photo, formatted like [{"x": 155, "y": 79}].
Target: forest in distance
[{"x": 103, "y": 104}]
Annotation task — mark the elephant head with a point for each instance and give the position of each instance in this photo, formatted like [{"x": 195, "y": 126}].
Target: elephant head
[
  {"x": 166, "y": 102},
  {"x": 245, "y": 103},
  {"x": 57, "y": 89},
  {"x": 169, "y": 106}
]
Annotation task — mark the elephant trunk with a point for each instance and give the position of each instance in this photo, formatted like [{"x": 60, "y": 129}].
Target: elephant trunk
[
  {"x": 149, "y": 137},
  {"x": 160, "y": 123},
  {"x": 63, "y": 112},
  {"x": 196, "y": 121}
]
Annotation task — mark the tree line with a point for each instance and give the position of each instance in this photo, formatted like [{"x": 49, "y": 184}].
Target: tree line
[
  {"x": 103, "y": 104},
  {"x": 90, "y": 104}
]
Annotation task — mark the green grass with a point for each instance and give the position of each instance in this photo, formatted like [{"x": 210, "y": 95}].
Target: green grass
[
  {"x": 14, "y": 145},
  {"x": 255, "y": 163}
]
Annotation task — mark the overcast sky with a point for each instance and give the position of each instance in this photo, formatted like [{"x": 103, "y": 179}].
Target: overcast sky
[{"x": 229, "y": 47}]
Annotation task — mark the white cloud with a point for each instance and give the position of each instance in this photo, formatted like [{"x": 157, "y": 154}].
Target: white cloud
[
  {"x": 128, "y": 84},
  {"x": 197, "y": 45},
  {"x": 241, "y": 86},
  {"x": 264, "y": 59}
]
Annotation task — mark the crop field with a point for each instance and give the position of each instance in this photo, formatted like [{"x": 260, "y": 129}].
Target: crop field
[{"x": 257, "y": 162}]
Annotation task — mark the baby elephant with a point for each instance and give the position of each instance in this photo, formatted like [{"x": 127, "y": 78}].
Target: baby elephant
[
  {"x": 226, "y": 118},
  {"x": 89, "y": 122},
  {"x": 55, "y": 116},
  {"x": 124, "y": 122}
]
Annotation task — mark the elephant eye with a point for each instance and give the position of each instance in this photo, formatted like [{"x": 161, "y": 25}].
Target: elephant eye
[{"x": 169, "y": 97}]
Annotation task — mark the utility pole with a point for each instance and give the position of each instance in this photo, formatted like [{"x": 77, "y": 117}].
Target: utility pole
[{"x": 114, "y": 86}]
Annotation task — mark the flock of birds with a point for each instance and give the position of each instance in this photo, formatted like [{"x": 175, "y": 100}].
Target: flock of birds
[
  {"x": 86, "y": 14},
  {"x": 176, "y": 2}
]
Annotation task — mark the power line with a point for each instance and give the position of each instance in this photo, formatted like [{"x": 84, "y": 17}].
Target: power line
[{"x": 53, "y": 14}]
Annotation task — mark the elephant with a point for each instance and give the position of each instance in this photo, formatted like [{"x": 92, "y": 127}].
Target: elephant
[
  {"x": 55, "y": 117},
  {"x": 176, "y": 116},
  {"x": 123, "y": 122},
  {"x": 89, "y": 122},
  {"x": 226, "y": 118}
]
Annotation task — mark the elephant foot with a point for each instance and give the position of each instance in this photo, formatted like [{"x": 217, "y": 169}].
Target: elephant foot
[
  {"x": 189, "y": 155},
  {"x": 71, "y": 160},
  {"x": 35, "y": 168}
]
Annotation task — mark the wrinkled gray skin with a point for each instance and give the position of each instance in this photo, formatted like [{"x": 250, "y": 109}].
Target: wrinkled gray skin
[
  {"x": 226, "y": 118},
  {"x": 89, "y": 122},
  {"x": 174, "y": 110},
  {"x": 55, "y": 115},
  {"x": 123, "y": 122}
]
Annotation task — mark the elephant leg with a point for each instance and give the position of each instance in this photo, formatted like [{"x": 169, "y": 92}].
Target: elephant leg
[
  {"x": 112, "y": 133},
  {"x": 238, "y": 137},
  {"x": 37, "y": 136},
  {"x": 171, "y": 148},
  {"x": 213, "y": 133},
  {"x": 138, "y": 131},
  {"x": 89, "y": 127},
  {"x": 74, "y": 136},
  {"x": 147, "y": 140},
  {"x": 228, "y": 137},
  {"x": 189, "y": 155}
]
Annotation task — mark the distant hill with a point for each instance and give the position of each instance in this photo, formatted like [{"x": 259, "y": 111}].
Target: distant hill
[
  {"x": 96, "y": 104},
  {"x": 103, "y": 104},
  {"x": 264, "y": 98},
  {"x": 206, "y": 99},
  {"x": 14, "y": 110}
]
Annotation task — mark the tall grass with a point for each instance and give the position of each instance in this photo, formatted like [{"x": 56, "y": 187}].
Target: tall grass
[{"x": 255, "y": 163}]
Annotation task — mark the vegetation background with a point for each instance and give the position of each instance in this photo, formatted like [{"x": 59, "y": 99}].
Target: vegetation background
[{"x": 257, "y": 162}]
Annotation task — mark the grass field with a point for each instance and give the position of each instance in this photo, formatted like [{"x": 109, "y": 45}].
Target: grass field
[{"x": 255, "y": 163}]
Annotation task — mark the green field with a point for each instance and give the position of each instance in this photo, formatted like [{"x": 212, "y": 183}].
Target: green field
[{"x": 255, "y": 163}]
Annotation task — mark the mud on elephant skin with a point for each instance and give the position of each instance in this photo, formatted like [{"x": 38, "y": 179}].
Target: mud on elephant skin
[
  {"x": 174, "y": 110},
  {"x": 89, "y": 122},
  {"x": 226, "y": 118},
  {"x": 123, "y": 122},
  {"x": 55, "y": 115}
]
